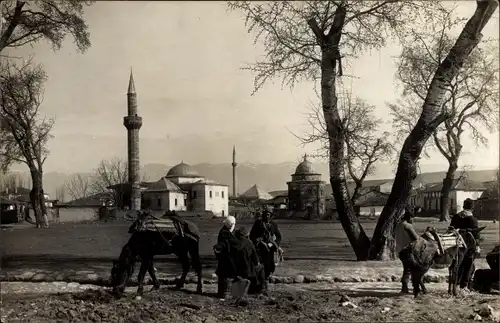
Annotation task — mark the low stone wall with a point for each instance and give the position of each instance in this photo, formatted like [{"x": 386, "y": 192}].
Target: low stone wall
[
  {"x": 294, "y": 272},
  {"x": 76, "y": 214}
]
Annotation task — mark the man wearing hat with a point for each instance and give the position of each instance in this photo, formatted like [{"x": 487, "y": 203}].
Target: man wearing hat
[
  {"x": 465, "y": 220},
  {"x": 267, "y": 239},
  {"x": 405, "y": 234},
  {"x": 247, "y": 263}
]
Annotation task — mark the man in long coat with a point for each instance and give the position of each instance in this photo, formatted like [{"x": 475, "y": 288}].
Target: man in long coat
[
  {"x": 267, "y": 239},
  {"x": 465, "y": 220},
  {"x": 225, "y": 251},
  {"x": 247, "y": 263}
]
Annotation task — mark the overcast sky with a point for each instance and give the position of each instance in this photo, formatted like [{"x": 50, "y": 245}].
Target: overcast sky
[{"x": 194, "y": 100}]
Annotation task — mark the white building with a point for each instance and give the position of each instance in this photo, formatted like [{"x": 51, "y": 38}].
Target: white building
[{"x": 183, "y": 189}]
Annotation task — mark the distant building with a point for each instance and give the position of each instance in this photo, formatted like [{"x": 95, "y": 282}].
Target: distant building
[
  {"x": 254, "y": 194},
  {"x": 461, "y": 189},
  {"x": 486, "y": 207},
  {"x": 306, "y": 191},
  {"x": 22, "y": 195},
  {"x": 279, "y": 200},
  {"x": 183, "y": 189},
  {"x": 371, "y": 203}
]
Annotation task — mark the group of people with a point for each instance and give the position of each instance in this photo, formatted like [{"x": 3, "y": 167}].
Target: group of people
[
  {"x": 406, "y": 234},
  {"x": 246, "y": 255}
]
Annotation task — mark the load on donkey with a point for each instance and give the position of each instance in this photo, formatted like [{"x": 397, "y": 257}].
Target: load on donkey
[
  {"x": 420, "y": 255},
  {"x": 152, "y": 236}
]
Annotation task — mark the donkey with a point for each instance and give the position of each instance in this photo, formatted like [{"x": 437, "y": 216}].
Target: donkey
[
  {"x": 421, "y": 254},
  {"x": 469, "y": 245},
  {"x": 153, "y": 236}
]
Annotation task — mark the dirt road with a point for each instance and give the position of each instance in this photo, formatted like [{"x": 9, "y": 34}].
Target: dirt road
[{"x": 31, "y": 302}]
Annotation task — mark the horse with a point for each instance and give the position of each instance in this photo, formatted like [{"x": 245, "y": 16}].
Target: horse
[
  {"x": 157, "y": 236},
  {"x": 421, "y": 254}
]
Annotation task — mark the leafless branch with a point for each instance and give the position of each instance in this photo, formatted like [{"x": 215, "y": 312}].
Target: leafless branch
[
  {"x": 365, "y": 145},
  {"x": 25, "y": 133},
  {"x": 472, "y": 98},
  {"x": 30, "y": 21},
  {"x": 78, "y": 187}
]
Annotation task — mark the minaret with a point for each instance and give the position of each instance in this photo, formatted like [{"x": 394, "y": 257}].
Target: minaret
[
  {"x": 133, "y": 123},
  {"x": 234, "y": 164}
]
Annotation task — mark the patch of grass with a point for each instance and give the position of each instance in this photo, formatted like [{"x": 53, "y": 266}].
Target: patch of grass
[{"x": 301, "y": 239}]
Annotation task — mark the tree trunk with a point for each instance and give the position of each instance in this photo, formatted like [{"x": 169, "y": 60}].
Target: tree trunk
[
  {"x": 383, "y": 241},
  {"x": 36, "y": 192},
  {"x": 445, "y": 192},
  {"x": 43, "y": 207},
  {"x": 345, "y": 209}
]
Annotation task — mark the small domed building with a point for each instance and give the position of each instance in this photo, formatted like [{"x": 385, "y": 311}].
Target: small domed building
[
  {"x": 306, "y": 191},
  {"x": 183, "y": 189}
]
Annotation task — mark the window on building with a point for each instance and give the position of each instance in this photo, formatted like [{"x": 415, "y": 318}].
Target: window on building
[
  {"x": 175, "y": 202},
  {"x": 194, "y": 194},
  {"x": 185, "y": 202},
  {"x": 210, "y": 194},
  {"x": 222, "y": 194},
  {"x": 158, "y": 201},
  {"x": 223, "y": 213}
]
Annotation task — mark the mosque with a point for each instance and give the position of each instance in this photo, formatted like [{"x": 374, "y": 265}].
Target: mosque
[
  {"x": 183, "y": 189},
  {"x": 306, "y": 191}
]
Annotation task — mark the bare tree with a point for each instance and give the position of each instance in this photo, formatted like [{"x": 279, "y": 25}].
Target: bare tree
[
  {"x": 309, "y": 40},
  {"x": 78, "y": 186},
  {"x": 108, "y": 173},
  {"x": 9, "y": 182},
  {"x": 365, "y": 146},
  {"x": 306, "y": 40},
  {"x": 61, "y": 194},
  {"x": 21, "y": 90},
  {"x": 471, "y": 104},
  {"x": 27, "y": 22},
  {"x": 432, "y": 116}
]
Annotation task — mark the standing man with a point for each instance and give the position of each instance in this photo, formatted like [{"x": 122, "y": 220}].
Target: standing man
[
  {"x": 465, "y": 220},
  {"x": 247, "y": 263},
  {"x": 267, "y": 239},
  {"x": 225, "y": 251},
  {"x": 405, "y": 234}
]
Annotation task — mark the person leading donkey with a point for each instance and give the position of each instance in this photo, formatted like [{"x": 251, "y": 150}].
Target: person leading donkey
[
  {"x": 405, "y": 234},
  {"x": 267, "y": 239},
  {"x": 465, "y": 220}
]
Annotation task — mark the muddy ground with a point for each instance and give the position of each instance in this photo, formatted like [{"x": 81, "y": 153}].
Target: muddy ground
[{"x": 60, "y": 302}]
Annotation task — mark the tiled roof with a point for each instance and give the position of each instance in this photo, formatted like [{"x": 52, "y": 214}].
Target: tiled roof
[
  {"x": 458, "y": 185},
  {"x": 279, "y": 193},
  {"x": 163, "y": 185},
  {"x": 4, "y": 200},
  {"x": 255, "y": 192},
  {"x": 93, "y": 200},
  {"x": 375, "y": 199},
  {"x": 18, "y": 191},
  {"x": 209, "y": 182}
]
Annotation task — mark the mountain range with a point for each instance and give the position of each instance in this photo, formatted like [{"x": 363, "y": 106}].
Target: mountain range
[{"x": 269, "y": 177}]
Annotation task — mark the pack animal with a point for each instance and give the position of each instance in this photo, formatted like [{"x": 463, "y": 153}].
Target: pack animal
[
  {"x": 157, "y": 236},
  {"x": 420, "y": 255},
  {"x": 456, "y": 269}
]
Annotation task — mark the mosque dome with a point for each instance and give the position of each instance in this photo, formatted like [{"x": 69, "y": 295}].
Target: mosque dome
[
  {"x": 182, "y": 170},
  {"x": 305, "y": 167}
]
